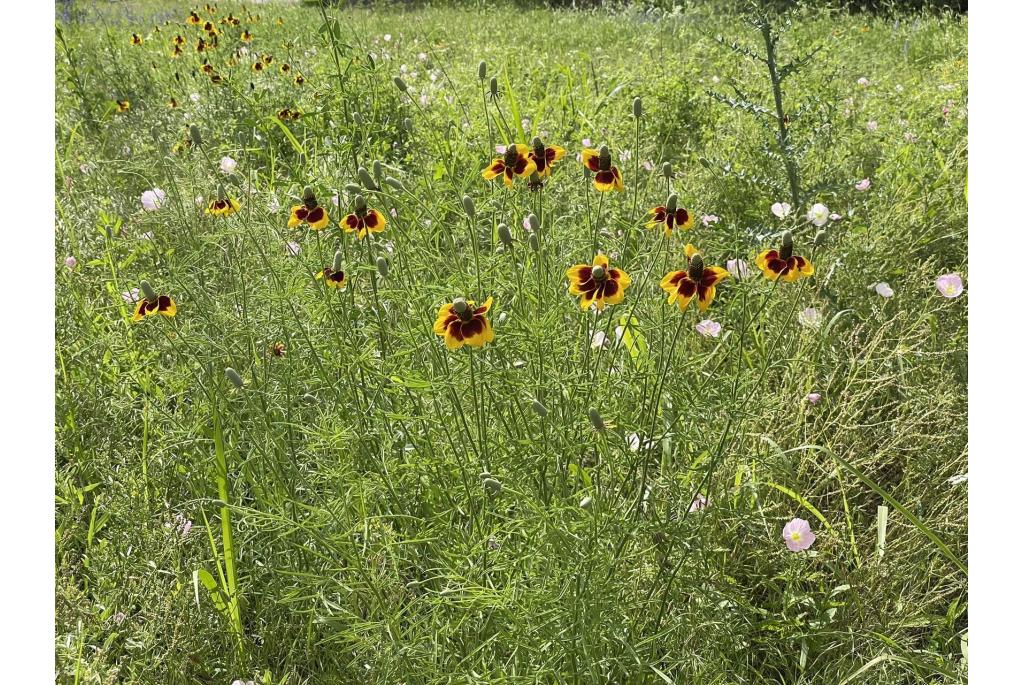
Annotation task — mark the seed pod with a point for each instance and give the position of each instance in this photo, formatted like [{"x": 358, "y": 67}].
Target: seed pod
[
  {"x": 533, "y": 221},
  {"x": 596, "y": 420},
  {"x": 672, "y": 203},
  {"x": 638, "y": 108},
  {"x": 534, "y": 242},
  {"x": 494, "y": 87},
  {"x": 586, "y": 502},
  {"x": 382, "y": 267},
  {"x": 666, "y": 169},
  {"x": 366, "y": 179},
  {"x": 358, "y": 118},
  {"x": 360, "y": 203},
  {"x": 504, "y": 235},
  {"x": 194, "y": 135},
  {"x": 148, "y": 291},
  {"x": 467, "y": 204},
  {"x": 820, "y": 238},
  {"x": 459, "y": 305},
  {"x": 233, "y": 376},
  {"x": 309, "y": 197},
  {"x": 336, "y": 264},
  {"x": 604, "y": 158},
  {"x": 481, "y": 70},
  {"x": 400, "y": 84},
  {"x": 540, "y": 409}
]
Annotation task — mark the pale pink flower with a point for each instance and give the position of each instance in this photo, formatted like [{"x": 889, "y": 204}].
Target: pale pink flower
[
  {"x": 625, "y": 156},
  {"x": 587, "y": 142},
  {"x": 737, "y": 268},
  {"x": 148, "y": 235},
  {"x": 194, "y": 97},
  {"x": 292, "y": 248},
  {"x": 781, "y": 209},
  {"x": 863, "y": 184},
  {"x": 810, "y": 318},
  {"x": 709, "y": 219},
  {"x": 813, "y": 397},
  {"x": 835, "y": 217},
  {"x": 500, "y": 149},
  {"x": 863, "y": 82},
  {"x": 649, "y": 166},
  {"x": 698, "y": 503},
  {"x": 950, "y": 285},
  {"x": 798, "y": 535},
  {"x": 709, "y": 328},
  {"x": 70, "y": 262},
  {"x": 152, "y": 199},
  {"x": 598, "y": 340},
  {"x": 119, "y": 618},
  {"x": 334, "y": 199},
  {"x": 883, "y": 289},
  {"x": 227, "y": 165},
  {"x": 130, "y": 295},
  {"x": 872, "y": 125}
]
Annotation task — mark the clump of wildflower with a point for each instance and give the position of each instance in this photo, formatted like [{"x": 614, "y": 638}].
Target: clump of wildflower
[
  {"x": 462, "y": 323},
  {"x": 598, "y": 283},
  {"x": 781, "y": 209},
  {"x": 809, "y": 318},
  {"x": 223, "y": 206},
  {"x": 227, "y": 165},
  {"x": 309, "y": 212},
  {"x": 70, "y": 262},
  {"x": 884, "y": 290},
  {"x": 606, "y": 176},
  {"x": 813, "y": 398},
  {"x": 782, "y": 263},
  {"x": 863, "y": 184},
  {"x": 798, "y": 535}
]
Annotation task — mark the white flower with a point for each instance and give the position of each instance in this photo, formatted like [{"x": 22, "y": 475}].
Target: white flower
[
  {"x": 818, "y": 214},
  {"x": 709, "y": 328},
  {"x": 737, "y": 268},
  {"x": 810, "y": 318},
  {"x": 781, "y": 209},
  {"x": 883, "y": 289},
  {"x": 194, "y": 97},
  {"x": 863, "y": 82},
  {"x": 598, "y": 340},
  {"x": 227, "y": 165},
  {"x": 153, "y": 199},
  {"x": 387, "y": 37},
  {"x": 863, "y": 184},
  {"x": 422, "y": 56},
  {"x": 274, "y": 204},
  {"x": 293, "y": 248},
  {"x": 872, "y": 125}
]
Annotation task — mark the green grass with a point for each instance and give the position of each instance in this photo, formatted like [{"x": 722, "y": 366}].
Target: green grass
[{"x": 341, "y": 529}]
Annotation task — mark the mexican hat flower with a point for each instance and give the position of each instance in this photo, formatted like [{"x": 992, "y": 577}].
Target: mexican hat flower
[
  {"x": 670, "y": 216},
  {"x": 363, "y": 221},
  {"x": 152, "y": 304},
  {"x": 606, "y": 176},
  {"x": 333, "y": 276},
  {"x": 782, "y": 263},
  {"x": 123, "y": 106},
  {"x": 545, "y": 156},
  {"x": 309, "y": 212},
  {"x": 223, "y": 206},
  {"x": 514, "y": 163},
  {"x": 194, "y": 19},
  {"x": 597, "y": 283},
  {"x": 462, "y": 323},
  {"x": 696, "y": 279},
  {"x": 136, "y": 39}
]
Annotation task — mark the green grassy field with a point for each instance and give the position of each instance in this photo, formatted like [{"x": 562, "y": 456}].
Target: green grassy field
[{"x": 292, "y": 483}]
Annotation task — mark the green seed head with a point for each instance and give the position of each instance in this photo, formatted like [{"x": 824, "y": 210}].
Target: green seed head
[
  {"x": 504, "y": 235},
  {"x": 360, "y": 203},
  {"x": 696, "y": 270},
  {"x": 533, "y": 221},
  {"x": 460, "y": 305},
  {"x": 366, "y": 179},
  {"x": 233, "y": 376},
  {"x": 194, "y": 135},
  {"x": 666, "y": 169},
  {"x": 598, "y": 273},
  {"x": 672, "y": 203},
  {"x": 534, "y": 242},
  {"x": 336, "y": 264},
  {"x": 638, "y": 108},
  {"x": 148, "y": 291},
  {"x": 494, "y": 87},
  {"x": 481, "y": 70},
  {"x": 378, "y": 169},
  {"x": 596, "y": 420},
  {"x": 467, "y": 204},
  {"x": 352, "y": 188},
  {"x": 400, "y": 84},
  {"x": 604, "y": 160},
  {"x": 309, "y": 198},
  {"x": 382, "y": 267},
  {"x": 394, "y": 183},
  {"x": 787, "y": 245}
]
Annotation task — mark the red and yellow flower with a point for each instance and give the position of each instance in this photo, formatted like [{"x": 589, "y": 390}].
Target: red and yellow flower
[
  {"x": 246, "y": 37},
  {"x": 123, "y": 106},
  {"x": 462, "y": 323},
  {"x": 696, "y": 279},
  {"x": 136, "y": 39},
  {"x": 194, "y": 19},
  {"x": 782, "y": 263},
  {"x": 223, "y": 207},
  {"x": 606, "y": 176},
  {"x": 544, "y": 157},
  {"x": 332, "y": 278},
  {"x": 363, "y": 221},
  {"x": 670, "y": 216},
  {"x": 152, "y": 304},
  {"x": 515, "y": 162},
  {"x": 309, "y": 213},
  {"x": 597, "y": 283}
]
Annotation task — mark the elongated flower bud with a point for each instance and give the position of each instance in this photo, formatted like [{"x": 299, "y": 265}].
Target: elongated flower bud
[
  {"x": 338, "y": 257},
  {"x": 394, "y": 183},
  {"x": 382, "y": 267},
  {"x": 494, "y": 87},
  {"x": 533, "y": 221},
  {"x": 309, "y": 198},
  {"x": 596, "y": 420},
  {"x": 358, "y": 118},
  {"x": 467, "y": 204},
  {"x": 666, "y": 169},
  {"x": 540, "y": 409},
  {"x": 233, "y": 376},
  {"x": 696, "y": 270},
  {"x": 534, "y": 242},
  {"x": 352, "y": 188},
  {"x": 148, "y": 291},
  {"x": 504, "y": 235},
  {"x": 638, "y": 108},
  {"x": 460, "y": 306},
  {"x": 378, "y": 170},
  {"x": 400, "y": 84},
  {"x": 481, "y": 70},
  {"x": 604, "y": 159},
  {"x": 366, "y": 179},
  {"x": 309, "y": 398},
  {"x": 672, "y": 203},
  {"x": 360, "y": 202},
  {"x": 194, "y": 135},
  {"x": 787, "y": 245},
  {"x": 493, "y": 486}
]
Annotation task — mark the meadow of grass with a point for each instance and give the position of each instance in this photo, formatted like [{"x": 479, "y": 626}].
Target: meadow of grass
[{"x": 290, "y": 483}]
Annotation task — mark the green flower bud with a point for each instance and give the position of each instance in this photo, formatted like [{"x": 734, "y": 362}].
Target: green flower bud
[
  {"x": 358, "y": 118},
  {"x": 394, "y": 183},
  {"x": 638, "y": 108},
  {"x": 666, "y": 169},
  {"x": 504, "y": 235},
  {"x": 194, "y": 135},
  {"x": 233, "y": 376},
  {"x": 672, "y": 203},
  {"x": 481, "y": 70},
  {"x": 360, "y": 203},
  {"x": 407, "y": 124},
  {"x": 309, "y": 398},
  {"x": 534, "y": 242},
  {"x": 366, "y": 179},
  {"x": 596, "y": 420},
  {"x": 820, "y": 238},
  {"x": 309, "y": 197},
  {"x": 148, "y": 291},
  {"x": 540, "y": 409},
  {"x": 382, "y": 267},
  {"x": 338, "y": 257},
  {"x": 460, "y": 305},
  {"x": 604, "y": 159},
  {"x": 494, "y": 87},
  {"x": 467, "y": 204},
  {"x": 400, "y": 84},
  {"x": 533, "y": 221}
]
